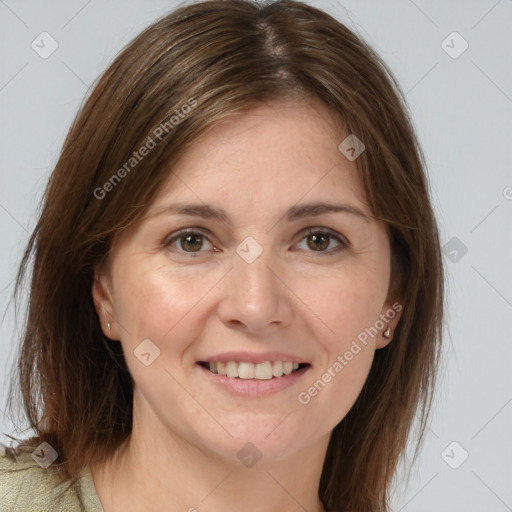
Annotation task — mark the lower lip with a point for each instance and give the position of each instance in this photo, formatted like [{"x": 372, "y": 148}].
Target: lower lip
[{"x": 254, "y": 387}]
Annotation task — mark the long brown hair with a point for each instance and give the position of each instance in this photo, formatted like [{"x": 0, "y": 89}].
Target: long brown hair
[{"x": 222, "y": 57}]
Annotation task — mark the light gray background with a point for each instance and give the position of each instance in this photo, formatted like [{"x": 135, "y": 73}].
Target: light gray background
[{"x": 462, "y": 108}]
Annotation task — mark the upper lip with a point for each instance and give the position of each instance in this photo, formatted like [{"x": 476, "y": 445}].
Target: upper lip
[{"x": 252, "y": 357}]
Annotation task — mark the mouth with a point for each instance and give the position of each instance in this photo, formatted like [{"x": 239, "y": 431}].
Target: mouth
[{"x": 267, "y": 370}]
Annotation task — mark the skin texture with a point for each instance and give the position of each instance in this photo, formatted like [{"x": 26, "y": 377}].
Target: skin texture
[{"x": 182, "y": 454}]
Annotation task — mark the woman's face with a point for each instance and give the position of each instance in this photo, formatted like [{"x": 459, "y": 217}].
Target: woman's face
[{"x": 263, "y": 280}]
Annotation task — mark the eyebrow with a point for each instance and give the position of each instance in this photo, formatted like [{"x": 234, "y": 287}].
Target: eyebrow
[{"x": 292, "y": 214}]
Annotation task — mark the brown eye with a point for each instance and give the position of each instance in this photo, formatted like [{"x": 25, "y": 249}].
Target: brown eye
[
  {"x": 188, "y": 241},
  {"x": 319, "y": 242},
  {"x": 193, "y": 241}
]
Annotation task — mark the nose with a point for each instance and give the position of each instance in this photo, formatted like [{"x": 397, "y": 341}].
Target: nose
[{"x": 255, "y": 296}]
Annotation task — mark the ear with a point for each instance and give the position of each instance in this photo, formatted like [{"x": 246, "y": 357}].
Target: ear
[
  {"x": 103, "y": 303},
  {"x": 390, "y": 316}
]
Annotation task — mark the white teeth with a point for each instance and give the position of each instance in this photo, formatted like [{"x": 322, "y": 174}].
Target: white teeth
[
  {"x": 263, "y": 371},
  {"x": 246, "y": 370},
  {"x": 232, "y": 369},
  {"x": 277, "y": 369},
  {"x": 258, "y": 371},
  {"x": 221, "y": 368},
  {"x": 287, "y": 368}
]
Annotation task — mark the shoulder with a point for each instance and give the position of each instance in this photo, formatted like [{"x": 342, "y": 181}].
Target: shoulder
[{"x": 27, "y": 485}]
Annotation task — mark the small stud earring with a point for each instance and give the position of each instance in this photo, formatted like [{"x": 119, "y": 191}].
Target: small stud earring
[
  {"x": 108, "y": 325},
  {"x": 387, "y": 332}
]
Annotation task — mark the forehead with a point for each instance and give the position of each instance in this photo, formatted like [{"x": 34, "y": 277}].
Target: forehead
[{"x": 272, "y": 155}]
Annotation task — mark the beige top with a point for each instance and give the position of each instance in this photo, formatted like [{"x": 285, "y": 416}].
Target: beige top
[{"x": 29, "y": 486}]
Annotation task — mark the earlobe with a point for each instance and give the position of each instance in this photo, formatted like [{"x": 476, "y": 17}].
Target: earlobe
[
  {"x": 390, "y": 316},
  {"x": 103, "y": 304},
  {"x": 384, "y": 338}
]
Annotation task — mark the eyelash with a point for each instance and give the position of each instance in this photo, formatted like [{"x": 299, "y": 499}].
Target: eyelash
[{"x": 343, "y": 244}]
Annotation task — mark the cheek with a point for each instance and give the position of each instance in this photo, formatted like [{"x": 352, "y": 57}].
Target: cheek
[
  {"x": 349, "y": 307},
  {"x": 333, "y": 387},
  {"x": 160, "y": 304},
  {"x": 349, "y": 310},
  {"x": 334, "y": 391}
]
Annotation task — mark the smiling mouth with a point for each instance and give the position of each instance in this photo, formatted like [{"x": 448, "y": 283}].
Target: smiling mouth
[{"x": 258, "y": 371}]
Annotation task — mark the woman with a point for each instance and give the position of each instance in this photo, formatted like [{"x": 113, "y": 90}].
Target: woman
[{"x": 237, "y": 293}]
